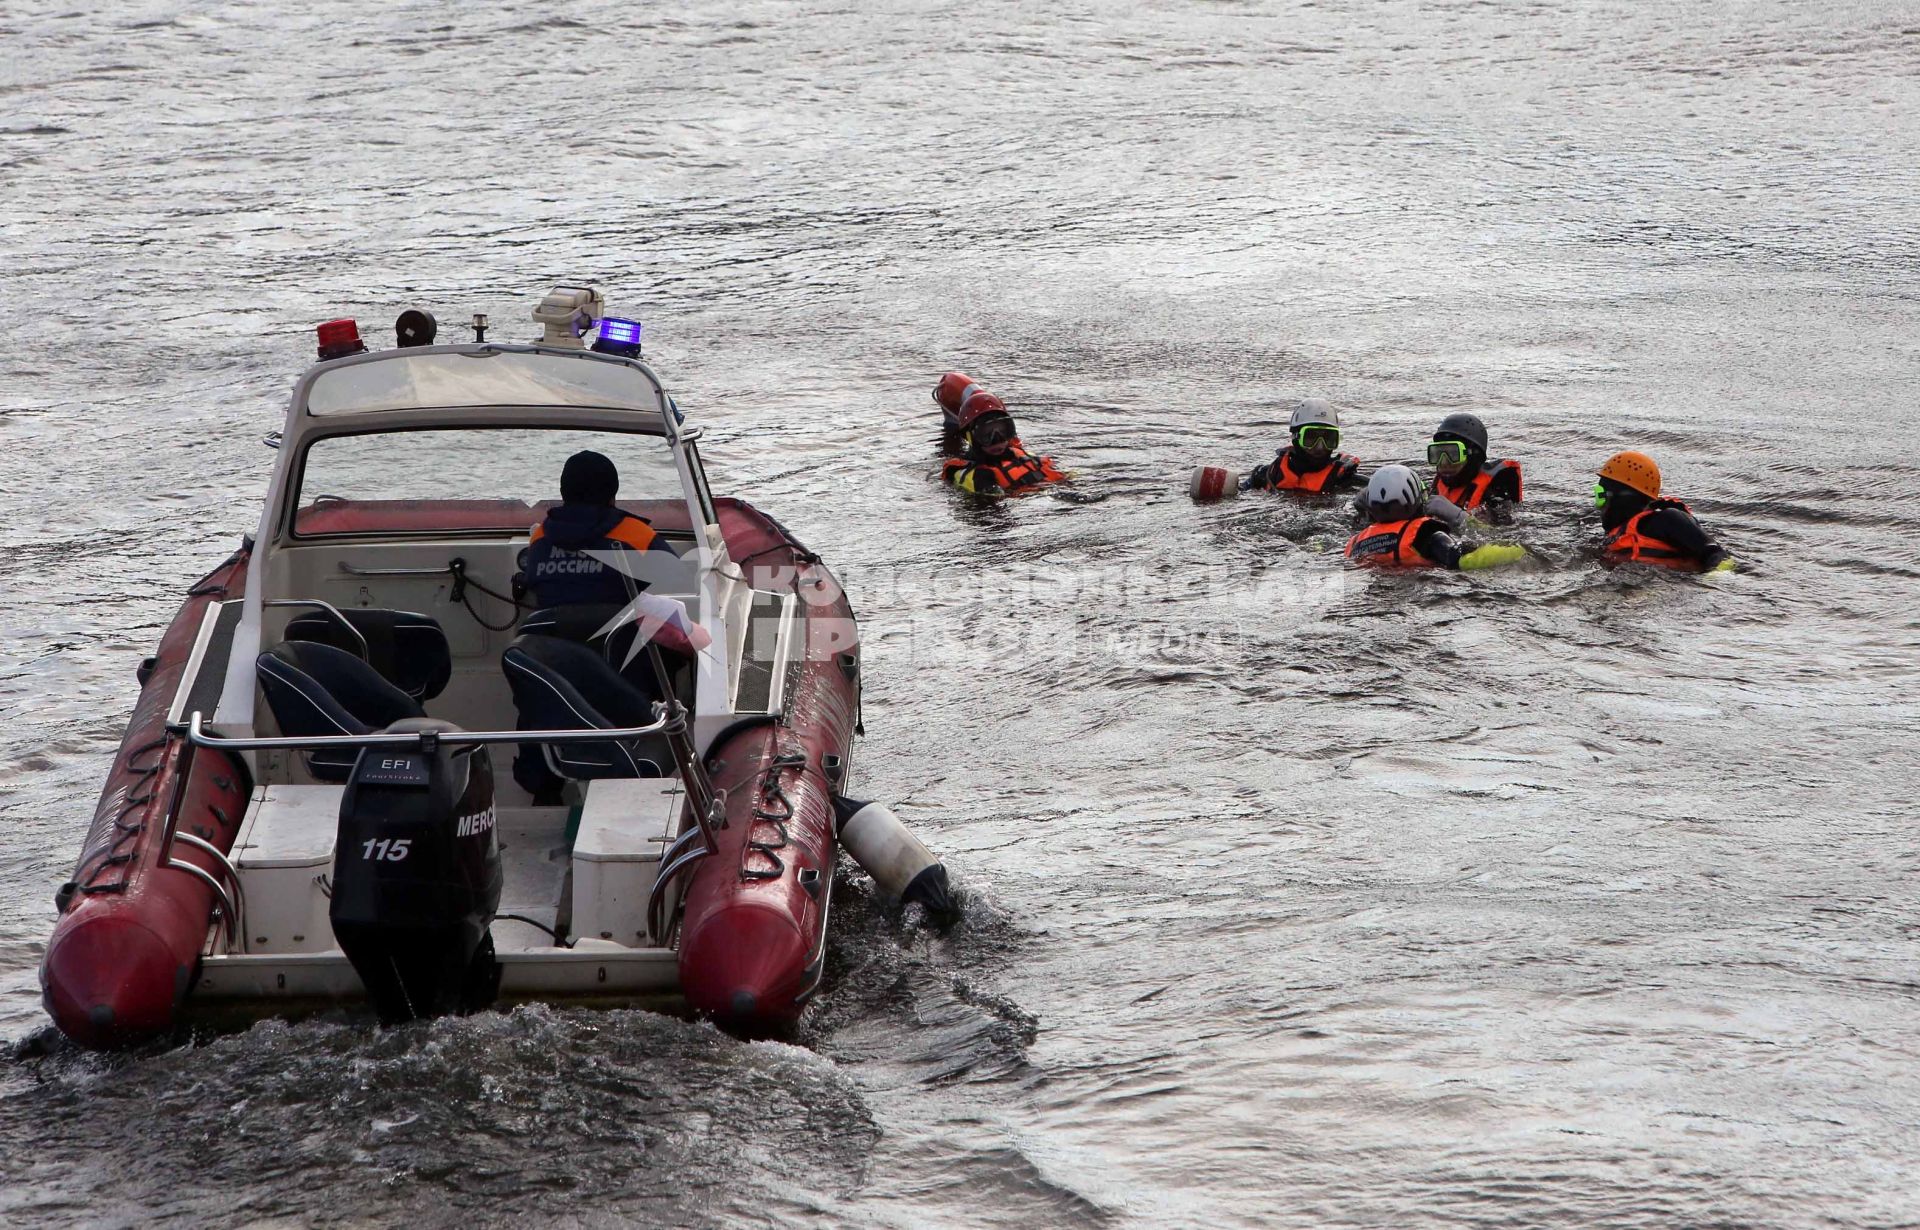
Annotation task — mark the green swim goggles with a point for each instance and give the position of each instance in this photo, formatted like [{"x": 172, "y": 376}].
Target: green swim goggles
[
  {"x": 1447, "y": 453},
  {"x": 1599, "y": 497},
  {"x": 1318, "y": 437}
]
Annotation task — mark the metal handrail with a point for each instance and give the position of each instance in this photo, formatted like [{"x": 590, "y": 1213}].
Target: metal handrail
[
  {"x": 423, "y": 740},
  {"x": 232, "y": 906},
  {"x": 229, "y": 909},
  {"x": 236, "y": 901},
  {"x": 706, "y": 805},
  {"x": 422, "y": 570}
]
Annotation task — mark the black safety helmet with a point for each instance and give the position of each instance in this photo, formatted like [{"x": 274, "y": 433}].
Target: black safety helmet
[{"x": 1466, "y": 428}]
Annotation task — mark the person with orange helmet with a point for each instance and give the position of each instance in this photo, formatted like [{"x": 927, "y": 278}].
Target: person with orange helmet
[
  {"x": 992, "y": 459},
  {"x": 1644, "y": 527}
]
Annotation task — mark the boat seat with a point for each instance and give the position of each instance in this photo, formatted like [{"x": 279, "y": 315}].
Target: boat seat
[
  {"x": 409, "y": 650},
  {"x": 582, "y": 621},
  {"x": 315, "y": 689},
  {"x": 560, "y": 684}
]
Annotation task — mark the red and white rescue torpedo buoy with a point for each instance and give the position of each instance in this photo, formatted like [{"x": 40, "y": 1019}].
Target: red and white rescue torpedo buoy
[{"x": 1211, "y": 483}]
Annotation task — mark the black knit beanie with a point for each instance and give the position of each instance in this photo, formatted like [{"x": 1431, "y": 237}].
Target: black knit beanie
[{"x": 589, "y": 478}]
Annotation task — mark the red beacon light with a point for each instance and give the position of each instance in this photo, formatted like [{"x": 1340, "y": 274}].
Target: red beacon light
[{"x": 339, "y": 338}]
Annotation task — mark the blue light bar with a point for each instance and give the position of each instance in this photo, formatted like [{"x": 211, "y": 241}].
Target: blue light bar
[{"x": 619, "y": 332}]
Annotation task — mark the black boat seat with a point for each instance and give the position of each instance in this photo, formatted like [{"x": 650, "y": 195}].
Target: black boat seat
[
  {"x": 582, "y": 622},
  {"x": 315, "y": 689},
  {"x": 560, "y": 684},
  {"x": 409, "y": 650}
]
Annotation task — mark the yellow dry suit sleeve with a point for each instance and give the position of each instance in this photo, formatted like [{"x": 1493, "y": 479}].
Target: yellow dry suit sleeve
[{"x": 1492, "y": 556}]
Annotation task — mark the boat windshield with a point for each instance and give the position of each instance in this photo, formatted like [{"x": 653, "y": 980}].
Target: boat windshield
[
  {"x": 481, "y": 378},
  {"x": 466, "y": 478}
]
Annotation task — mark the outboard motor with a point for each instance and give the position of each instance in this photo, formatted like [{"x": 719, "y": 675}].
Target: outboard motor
[
  {"x": 903, "y": 869},
  {"x": 416, "y": 878}
]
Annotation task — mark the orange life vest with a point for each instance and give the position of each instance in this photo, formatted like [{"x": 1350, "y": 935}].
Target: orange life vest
[
  {"x": 1470, "y": 494},
  {"x": 1281, "y": 475},
  {"x": 1632, "y": 544},
  {"x": 1389, "y": 545},
  {"x": 1015, "y": 470}
]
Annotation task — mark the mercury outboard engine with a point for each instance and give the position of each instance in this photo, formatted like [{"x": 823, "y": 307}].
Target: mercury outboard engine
[{"x": 416, "y": 878}]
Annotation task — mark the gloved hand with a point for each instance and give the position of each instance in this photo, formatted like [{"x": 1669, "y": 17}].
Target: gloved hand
[
  {"x": 1440, "y": 508},
  {"x": 1257, "y": 477},
  {"x": 1725, "y": 565},
  {"x": 1492, "y": 556}
]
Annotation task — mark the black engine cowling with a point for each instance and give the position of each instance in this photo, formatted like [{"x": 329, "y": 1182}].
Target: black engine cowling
[{"x": 416, "y": 878}]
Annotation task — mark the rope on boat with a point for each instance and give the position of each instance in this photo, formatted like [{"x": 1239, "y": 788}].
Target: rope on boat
[
  {"x": 140, "y": 793},
  {"x": 772, "y": 797},
  {"x": 461, "y": 581}
]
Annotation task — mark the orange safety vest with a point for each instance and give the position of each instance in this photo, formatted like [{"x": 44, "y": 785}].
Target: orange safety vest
[
  {"x": 1631, "y": 544},
  {"x": 629, "y": 531},
  {"x": 1281, "y": 475},
  {"x": 1389, "y": 545},
  {"x": 1469, "y": 495},
  {"x": 1017, "y": 469}
]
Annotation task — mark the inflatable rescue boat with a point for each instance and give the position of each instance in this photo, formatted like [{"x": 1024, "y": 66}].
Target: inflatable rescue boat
[{"x": 314, "y": 801}]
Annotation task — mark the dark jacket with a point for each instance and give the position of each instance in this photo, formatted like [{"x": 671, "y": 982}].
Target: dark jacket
[
  {"x": 1667, "y": 528},
  {"x": 559, "y": 571}
]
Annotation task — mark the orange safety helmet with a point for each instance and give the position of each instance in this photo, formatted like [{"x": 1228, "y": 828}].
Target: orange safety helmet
[
  {"x": 978, "y": 405},
  {"x": 1635, "y": 470}
]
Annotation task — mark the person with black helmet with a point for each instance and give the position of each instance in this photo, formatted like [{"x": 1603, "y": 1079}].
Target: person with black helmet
[
  {"x": 1643, "y": 527},
  {"x": 1403, "y": 534},
  {"x": 558, "y": 566},
  {"x": 992, "y": 460},
  {"x": 1311, "y": 463},
  {"x": 1461, "y": 472}
]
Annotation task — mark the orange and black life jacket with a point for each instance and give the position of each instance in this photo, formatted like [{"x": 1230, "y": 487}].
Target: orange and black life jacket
[
  {"x": 559, "y": 565},
  {"x": 629, "y": 531},
  {"x": 1630, "y": 543},
  {"x": 1009, "y": 473},
  {"x": 1389, "y": 545},
  {"x": 1281, "y": 476},
  {"x": 1471, "y": 493}
]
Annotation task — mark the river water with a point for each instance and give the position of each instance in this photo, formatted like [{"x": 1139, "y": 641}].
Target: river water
[{"x": 1296, "y": 898}]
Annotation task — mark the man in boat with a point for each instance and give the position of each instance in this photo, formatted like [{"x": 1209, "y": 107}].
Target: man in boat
[
  {"x": 1312, "y": 464},
  {"x": 1642, "y": 527},
  {"x": 1462, "y": 473},
  {"x": 992, "y": 458},
  {"x": 1403, "y": 534},
  {"x": 560, "y": 566}
]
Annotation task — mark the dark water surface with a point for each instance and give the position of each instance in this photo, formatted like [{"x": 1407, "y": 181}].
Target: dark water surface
[{"x": 1545, "y": 897}]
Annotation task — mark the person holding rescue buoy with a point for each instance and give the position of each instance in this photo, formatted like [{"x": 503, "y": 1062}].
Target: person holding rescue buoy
[
  {"x": 558, "y": 567},
  {"x": 992, "y": 459},
  {"x": 1311, "y": 463},
  {"x": 1403, "y": 534},
  {"x": 1461, "y": 471},
  {"x": 1643, "y": 527}
]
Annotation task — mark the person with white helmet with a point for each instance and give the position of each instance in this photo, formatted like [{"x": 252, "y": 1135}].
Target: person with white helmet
[
  {"x": 1311, "y": 463},
  {"x": 1404, "y": 535}
]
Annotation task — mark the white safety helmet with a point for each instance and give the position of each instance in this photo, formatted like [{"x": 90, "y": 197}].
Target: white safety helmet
[
  {"x": 1314, "y": 412},
  {"x": 1395, "y": 493}
]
